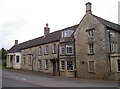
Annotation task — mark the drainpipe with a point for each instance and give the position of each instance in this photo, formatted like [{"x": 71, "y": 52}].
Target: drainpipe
[
  {"x": 75, "y": 60},
  {"x": 109, "y": 35},
  {"x": 58, "y": 61}
]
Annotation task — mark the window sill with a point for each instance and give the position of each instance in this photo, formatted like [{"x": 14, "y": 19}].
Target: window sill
[
  {"x": 91, "y": 53},
  {"x": 46, "y": 68},
  {"x": 92, "y": 72}
]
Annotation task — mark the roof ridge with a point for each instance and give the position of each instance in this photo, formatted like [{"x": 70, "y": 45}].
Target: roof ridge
[{"x": 105, "y": 20}]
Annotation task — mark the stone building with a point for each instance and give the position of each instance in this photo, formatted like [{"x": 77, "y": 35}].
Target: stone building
[{"x": 90, "y": 49}]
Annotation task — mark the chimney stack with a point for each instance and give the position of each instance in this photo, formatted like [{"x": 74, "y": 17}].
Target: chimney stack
[
  {"x": 46, "y": 30},
  {"x": 16, "y": 42},
  {"x": 88, "y": 8}
]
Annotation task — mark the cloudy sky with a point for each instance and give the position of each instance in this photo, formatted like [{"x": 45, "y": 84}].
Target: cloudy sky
[{"x": 25, "y": 19}]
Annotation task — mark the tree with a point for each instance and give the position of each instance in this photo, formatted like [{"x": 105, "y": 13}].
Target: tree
[{"x": 3, "y": 56}]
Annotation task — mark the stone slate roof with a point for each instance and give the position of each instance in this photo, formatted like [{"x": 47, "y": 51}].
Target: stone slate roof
[
  {"x": 108, "y": 23},
  {"x": 55, "y": 36},
  {"x": 49, "y": 38}
]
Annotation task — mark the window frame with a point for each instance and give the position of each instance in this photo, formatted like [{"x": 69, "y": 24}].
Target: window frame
[
  {"x": 117, "y": 65},
  {"x": 89, "y": 66},
  {"x": 46, "y": 65},
  {"x": 90, "y": 33},
  {"x": 91, "y": 50},
  {"x": 17, "y": 59},
  {"x": 62, "y": 67},
  {"x": 46, "y": 50},
  {"x": 54, "y": 48},
  {"x": 24, "y": 60},
  {"x": 70, "y": 65},
  {"x": 68, "y": 51},
  {"x": 62, "y": 50},
  {"x": 30, "y": 60},
  {"x": 40, "y": 51}
]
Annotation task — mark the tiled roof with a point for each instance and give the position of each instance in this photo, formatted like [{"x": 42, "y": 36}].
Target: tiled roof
[
  {"x": 49, "y": 38},
  {"x": 108, "y": 23}
]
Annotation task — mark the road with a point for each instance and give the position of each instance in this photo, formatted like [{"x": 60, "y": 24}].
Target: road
[{"x": 16, "y": 79}]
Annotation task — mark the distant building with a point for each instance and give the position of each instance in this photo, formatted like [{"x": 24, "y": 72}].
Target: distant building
[{"x": 90, "y": 49}]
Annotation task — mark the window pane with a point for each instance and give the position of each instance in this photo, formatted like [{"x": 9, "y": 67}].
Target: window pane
[
  {"x": 91, "y": 48},
  {"x": 69, "y": 65},
  {"x": 118, "y": 63},
  {"x": 69, "y": 49},
  {"x": 62, "y": 65},
  {"x": 17, "y": 59},
  {"x": 91, "y": 66},
  {"x": 62, "y": 50}
]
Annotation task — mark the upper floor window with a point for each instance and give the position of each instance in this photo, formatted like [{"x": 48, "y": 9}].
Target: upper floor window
[
  {"x": 69, "y": 49},
  {"x": 118, "y": 65},
  {"x": 114, "y": 47},
  {"x": 67, "y": 33},
  {"x": 62, "y": 49},
  {"x": 17, "y": 59},
  {"x": 112, "y": 34},
  {"x": 54, "y": 48},
  {"x": 91, "y": 33},
  {"x": 40, "y": 51},
  {"x": 90, "y": 48},
  {"x": 46, "y": 49}
]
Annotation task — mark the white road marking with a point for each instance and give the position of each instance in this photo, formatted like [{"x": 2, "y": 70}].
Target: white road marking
[{"x": 22, "y": 78}]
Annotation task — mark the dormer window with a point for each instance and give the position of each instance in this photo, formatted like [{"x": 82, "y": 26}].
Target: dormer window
[
  {"x": 67, "y": 33},
  {"x": 112, "y": 34}
]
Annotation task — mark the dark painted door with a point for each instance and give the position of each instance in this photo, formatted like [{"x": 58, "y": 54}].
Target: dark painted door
[{"x": 54, "y": 68}]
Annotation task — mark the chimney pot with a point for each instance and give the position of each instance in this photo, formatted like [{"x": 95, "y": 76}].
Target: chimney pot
[
  {"x": 46, "y": 30},
  {"x": 16, "y": 42},
  {"x": 88, "y": 8}
]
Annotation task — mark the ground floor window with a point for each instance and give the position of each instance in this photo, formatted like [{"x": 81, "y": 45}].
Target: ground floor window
[
  {"x": 23, "y": 60},
  {"x": 70, "y": 65},
  {"x": 17, "y": 59},
  {"x": 46, "y": 64},
  {"x": 62, "y": 65},
  {"x": 39, "y": 64},
  {"x": 91, "y": 66},
  {"x": 118, "y": 65},
  {"x": 30, "y": 60}
]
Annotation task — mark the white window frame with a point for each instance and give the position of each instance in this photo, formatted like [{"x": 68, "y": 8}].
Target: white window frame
[
  {"x": 72, "y": 65},
  {"x": 114, "y": 46},
  {"x": 89, "y": 66},
  {"x": 61, "y": 66},
  {"x": 30, "y": 60},
  {"x": 62, "y": 52},
  {"x": 24, "y": 60},
  {"x": 54, "y": 48},
  {"x": 40, "y": 51},
  {"x": 112, "y": 34},
  {"x": 46, "y": 64},
  {"x": 117, "y": 64},
  {"x": 91, "y": 48},
  {"x": 91, "y": 33},
  {"x": 46, "y": 50},
  {"x": 67, "y": 49}
]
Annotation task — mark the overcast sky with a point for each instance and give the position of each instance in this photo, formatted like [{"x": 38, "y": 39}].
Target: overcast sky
[{"x": 25, "y": 19}]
